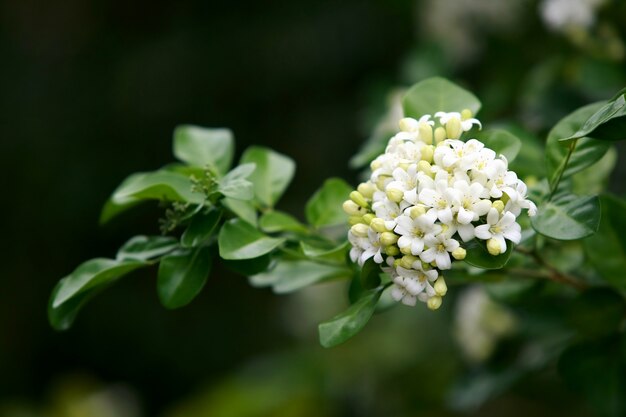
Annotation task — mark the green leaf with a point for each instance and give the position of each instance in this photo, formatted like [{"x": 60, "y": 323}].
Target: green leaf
[
  {"x": 607, "y": 123},
  {"x": 243, "y": 209},
  {"x": 370, "y": 274},
  {"x": 201, "y": 228},
  {"x": 568, "y": 217},
  {"x": 205, "y": 147},
  {"x": 500, "y": 141},
  {"x": 73, "y": 291},
  {"x": 437, "y": 94},
  {"x": 606, "y": 250},
  {"x": 240, "y": 240},
  {"x": 587, "y": 151},
  {"x": 235, "y": 185},
  {"x": 324, "y": 208},
  {"x": 249, "y": 267},
  {"x": 182, "y": 275},
  {"x": 347, "y": 324},
  {"x": 278, "y": 221},
  {"x": 595, "y": 179},
  {"x": 144, "y": 248},
  {"x": 273, "y": 173},
  {"x": 479, "y": 257},
  {"x": 157, "y": 185},
  {"x": 597, "y": 312},
  {"x": 289, "y": 276},
  {"x": 314, "y": 249}
]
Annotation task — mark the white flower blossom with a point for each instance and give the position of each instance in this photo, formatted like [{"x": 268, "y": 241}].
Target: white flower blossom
[{"x": 499, "y": 228}]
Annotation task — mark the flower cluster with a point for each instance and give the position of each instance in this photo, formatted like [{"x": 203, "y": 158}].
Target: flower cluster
[{"x": 428, "y": 193}]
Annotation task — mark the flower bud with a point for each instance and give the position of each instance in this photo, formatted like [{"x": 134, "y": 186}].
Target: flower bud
[
  {"x": 352, "y": 220},
  {"x": 351, "y": 208},
  {"x": 417, "y": 211},
  {"x": 388, "y": 238},
  {"x": 360, "y": 230},
  {"x": 366, "y": 189},
  {"x": 440, "y": 135},
  {"x": 397, "y": 263},
  {"x": 395, "y": 195},
  {"x": 367, "y": 218},
  {"x": 378, "y": 225},
  {"x": 407, "y": 261},
  {"x": 426, "y": 133},
  {"x": 392, "y": 251},
  {"x": 498, "y": 205},
  {"x": 358, "y": 198},
  {"x": 494, "y": 248},
  {"x": 459, "y": 254},
  {"x": 424, "y": 167},
  {"x": 434, "y": 302},
  {"x": 375, "y": 164},
  {"x": 440, "y": 286},
  {"x": 404, "y": 165},
  {"x": 406, "y": 250},
  {"x": 466, "y": 114},
  {"x": 453, "y": 128},
  {"x": 425, "y": 266},
  {"x": 382, "y": 181},
  {"x": 427, "y": 153},
  {"x": 531, "y": 181},
  {"x": 408, "y": 124}
]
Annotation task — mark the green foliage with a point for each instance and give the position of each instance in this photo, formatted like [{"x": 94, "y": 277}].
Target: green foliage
[
  {"x": 240, "y": 240},
  {"x": 144, "y": 248},
  {"x": 277, "y": 221},
  {"x": 289, "y": 276},
  {"x": 501, "y": 141},
  {"x": 478, "y": 256},
  {"x": 202, "y": 147},
  {"x": 324, "y": 207},
  {"x": 437, "y": 94},
  {"x": 182, "y": 275},
  {"x": 201, "y": 228},
  {"x": 272, "y": 175},
  {"x": 234, "y": 184},
  {"x": 607, "y": 123},
  {"x": 568, "y": 217}
]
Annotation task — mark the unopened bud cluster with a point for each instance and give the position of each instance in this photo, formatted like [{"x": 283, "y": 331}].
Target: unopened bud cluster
[{"x": 428, "y": 193}]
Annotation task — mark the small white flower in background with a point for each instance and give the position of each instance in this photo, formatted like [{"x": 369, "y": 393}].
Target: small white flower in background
[
  {"x": 428, "y": 192},
  {"x": 566, "y": 14}
]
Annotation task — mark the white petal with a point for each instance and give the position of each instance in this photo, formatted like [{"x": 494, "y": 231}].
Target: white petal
[
  {"x": 482, "y": 232},
  {"x": 464, "y": 216}
]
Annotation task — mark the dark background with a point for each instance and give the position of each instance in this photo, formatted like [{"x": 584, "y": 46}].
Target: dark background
[{"x": 91, "y": 91}]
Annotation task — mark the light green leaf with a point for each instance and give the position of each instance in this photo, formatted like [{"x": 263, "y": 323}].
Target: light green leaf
[
  {"x": 347, "y": 324},
  {"x": 144, "y": 248},
  {"x": 278, "y": 221},
  {"x": 235, "y": 185},
  {"x": 73, "y": 291},
  {"x": 568, "y": 217},
  {"x": 240, "y": 240},
  {"x": 245, "y": 210},
  {"x": 501, "y": 142},
  {"x": 586, "y": 152},
  {"x": 201, "y": 228},
  {"x": 314, "y": 249},
  {"x": 205, "y": 147},
  {"x": 182, "y": 275},
  {"x": 273, "y": 173},
  {"x": 437, "y": 94},
  {"x": 157, "y": 185},
  {"x": 324, "y": 208},
  {"x": 606, "y": 250},
  {"x": 595, "y": 179},
  {"x": 289, "y": 276},
  {"x": 607, "y": 123},
  {"x": 479, "y": 257}
]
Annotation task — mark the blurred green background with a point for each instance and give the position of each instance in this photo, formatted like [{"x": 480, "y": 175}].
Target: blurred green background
[{"x": 90, "y": 91}]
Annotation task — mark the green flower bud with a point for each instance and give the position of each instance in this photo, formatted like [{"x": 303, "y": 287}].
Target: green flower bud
[
  {"x": 434, "y": 302},
  {"x": 427, "y": 153},
  {"x": 366, "y": 189},
  {"x": 392, "y": 250},
  {"x": 466, "y": 114},
  {"x": 378, "y": 225},
  {"x": 453, "y": 128},
  {"x": 367, "y": 218},
  {"x": 375, "y": 164},
  {"x": 408, "y": 124},
  {"x": 358, "y": 198},
  {"x": 440, "y": 286},
  {"x": 440, "y": 135},
  {"x": 388, "y": 238},
  {"x": 425, "y": 167},
  {"x": 407, "y": 261},
  {"x": 494, "y": 248},
  {"x": 360, "y": 229},
  {"x": 459, "y": 254},
  {"x": 498, "y": 205},
  {"x": 417, "y": 211},
  {"x": 426, "y": 133},
  {"x": 351, "y": 208},
  {"x": 395, "y": 195},
  {"x": 406, "y": 250},
  {"x": 382, "y": 180},
  {"x": 352, "y": 220}
]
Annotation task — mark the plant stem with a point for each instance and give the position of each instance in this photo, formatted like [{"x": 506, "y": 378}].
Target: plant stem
[
  {"x": 553, "y": 189},
  {"x": 553, "y": 273}
]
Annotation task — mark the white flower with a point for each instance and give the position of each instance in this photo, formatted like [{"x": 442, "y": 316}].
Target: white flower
[
  {"x": 466, "y": 125},
  {"x": 438, "y": 250},
  {"x": 371, "y": 248},
  {"x": 413, "y": 231},
  {"x": 404, "y": 180},
  {"x": 412, "y": 284},
  {"x": 518, "y": 201},
  {"x": 441, "y": 199},
  {"x": 387, "y": 210},
  {"x": 499, "y": 228},
  {"x": 469, "y": 204},
  {"x": 502, "y": 180}
]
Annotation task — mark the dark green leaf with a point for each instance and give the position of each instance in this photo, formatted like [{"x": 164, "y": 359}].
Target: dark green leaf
[
  {"x": 74, "y": 290},
  {"x": 289, "y": 276},
  {"x": 437, "y": 94},
  {"x": 607, "y": 123},
  {"x": 347, "y": 324},
  {"x": 182, "y": 275},
  {"x": 568, "y": 217},
  {"x": 242, "y": 209},
  {"x": 370, "y": 275},
  {"x": 500, "y": 141},
  {"x": 240, "y": 240},
  {"x": 595, "y": 179},
  {"x": 597, "y": 312},
  {"x": 205, "y": 147},
  {"x": 324, "y": 208},
  {"x": 235, "y": 185},
  {"x": 277, "y": 221},
  {"x": 249, "y": 267},
  {"x": 143, "y": 248},
  {"x": 478, "y": 256},
  {"x": 272, "y": 175},
  {"x": 201, "y": 228}
]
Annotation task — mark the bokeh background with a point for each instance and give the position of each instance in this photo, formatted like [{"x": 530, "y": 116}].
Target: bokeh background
[{"x": 91, "y": 91}]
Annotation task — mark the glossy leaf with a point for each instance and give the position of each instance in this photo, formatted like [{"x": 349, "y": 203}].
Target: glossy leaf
[
  {"x": 500, "y": 141},
  {"x": 240, "y": 240},
  {"x": 324, "y": 208},
  {"x": 586, "y": 151},
  {"x": 289, "y": 276},
  {"x": 278, "y": 221},
  {"x": 606, "y": 250},
  {"x": 245, "y": 210},
  {"x": 568, "y": 217},
  {"x": 478, "y": 256},
  {"x": 327, "y": 249},
  {"x": 157, "y": 185},
  {"x": 272, "y": 175},
  {"x": 370, "y": 274},
  {"x": 200, "y": 228},
  {"x": 607, "y": 123},
  {"x": 74, "y": 290},
  {"x": 182, "y": 275},
  {"x": 347, "y": 324},
  {"x": 204, "y": 147},
  {"x": 144, "y": 248},
  {"x": 249, "y": 267},
  {"x": 437, "y": 94},
  {"x": 235, "y": 185}
]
